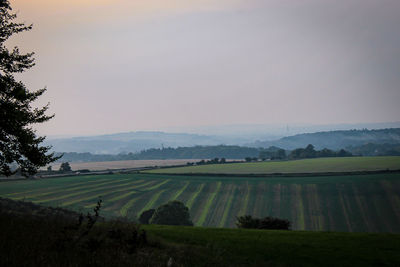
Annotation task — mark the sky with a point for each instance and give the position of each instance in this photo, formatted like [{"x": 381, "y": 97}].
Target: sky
[{"x": 122, "y": 65}]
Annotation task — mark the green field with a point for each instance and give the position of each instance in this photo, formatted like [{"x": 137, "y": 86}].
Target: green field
[
  {"x": 242, "y": 247},
  {"x": 294, "y": 166},
  {"x": 53, "y": 241},
  {"x": 369, "y": 203}
]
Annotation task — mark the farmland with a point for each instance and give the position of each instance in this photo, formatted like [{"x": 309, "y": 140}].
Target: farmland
[
  {"x": 369, "y": 203},
  {"x": 123, "y": 164},
  {"x": 316, "y": 165}
]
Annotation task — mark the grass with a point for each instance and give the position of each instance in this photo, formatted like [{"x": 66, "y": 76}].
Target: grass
[
  {"x": 55, "y": 241},
  {"x": 350, "y": 164},
  {"x": 353, "y": 203},
  {"x": 287, "y": 248}
]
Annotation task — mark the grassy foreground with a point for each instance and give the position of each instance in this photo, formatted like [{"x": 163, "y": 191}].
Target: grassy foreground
[
  {"x": 318, "y": 165},
  {"x": 286, "y": 248},
  {"x": 46, "y": 241}
]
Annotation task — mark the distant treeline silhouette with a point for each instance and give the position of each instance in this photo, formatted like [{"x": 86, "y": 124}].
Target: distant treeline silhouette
[{"x": 236, "y": 152}]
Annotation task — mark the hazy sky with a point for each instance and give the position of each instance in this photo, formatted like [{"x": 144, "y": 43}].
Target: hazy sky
[{"x": 124, "y": 65}]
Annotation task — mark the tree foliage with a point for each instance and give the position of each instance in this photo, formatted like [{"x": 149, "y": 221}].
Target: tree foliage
[
  {"x": 310, "y": 152},
  {"x": 19, "y": 143},
  {"x": 172, "y": 213},
  {"x": 65, "y": 167},
  {"x": 248, "y": 221},
  {"x": 146, "y": 215}
]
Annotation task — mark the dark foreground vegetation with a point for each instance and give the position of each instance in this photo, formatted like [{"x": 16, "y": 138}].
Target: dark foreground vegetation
[
  {"x": 58, "y": 237},
  {"x": 66, "y": 239},
  {"x": 270, "y": 223}
]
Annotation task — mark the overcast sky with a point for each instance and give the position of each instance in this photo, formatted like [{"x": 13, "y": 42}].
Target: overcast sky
[{"x": 123, "y": 65}]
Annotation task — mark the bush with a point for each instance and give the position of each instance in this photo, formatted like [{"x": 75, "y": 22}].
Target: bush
[
  {"x": 146, "y": 215},
  {"x": 266, "y": 223},
  {"x": 172, "y": 213},
  {"x": 247, "y": 222},
  {"x": 274, "y": 223}
]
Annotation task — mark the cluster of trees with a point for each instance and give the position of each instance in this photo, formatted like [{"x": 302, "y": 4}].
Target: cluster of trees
[
  {"x": 171, "y": 213},
  {"x": 247, "y": 221},
  {"x": 196, "y": 152},
  {"x": 211, "y": 161},
  {"x": 218, "y": 154},
  {"x": 276, "y": 153},
  {"x": 250, "y": 159},
  {"x": 371, "y": 149},
  {"x": 272, "y": 153},
  {"x": 199, "y": 152},
  {"x": 64, "y": 167},
  {"x": 310, "y": 152}
]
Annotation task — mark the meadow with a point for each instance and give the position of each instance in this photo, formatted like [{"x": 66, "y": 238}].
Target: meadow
[
  {"x": 46, "y": 241},
  {"x": 244, "y": 247},
  {"x": 317, "y": 165},
  {"x": 354, "y": 203}
]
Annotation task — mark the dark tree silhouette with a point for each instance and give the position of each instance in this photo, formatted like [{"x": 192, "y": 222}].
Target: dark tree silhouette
[
  {"x": 172, "y": 213},
  {"x": 146, "y": 215},
  {"x": 19, "y": 143},
  {"x": 65, "y": 167}
]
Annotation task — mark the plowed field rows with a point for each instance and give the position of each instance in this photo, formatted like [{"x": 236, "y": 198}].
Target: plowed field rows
[{"x": 369, "y": 203}]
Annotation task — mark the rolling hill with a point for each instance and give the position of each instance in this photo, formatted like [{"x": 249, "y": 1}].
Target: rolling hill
[{"x": 335, "y": 139}]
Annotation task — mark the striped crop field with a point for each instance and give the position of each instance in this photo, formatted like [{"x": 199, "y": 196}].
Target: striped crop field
[
  {"x": 317, "y": 165},
  {"x": 354, "y": 203}
]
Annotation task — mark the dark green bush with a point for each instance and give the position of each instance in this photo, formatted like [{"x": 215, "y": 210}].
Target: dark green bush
[
  {"x": 172, "y": 213},
  {"x": 146, "y": 215},
  {"x": 265, "y": 223}
]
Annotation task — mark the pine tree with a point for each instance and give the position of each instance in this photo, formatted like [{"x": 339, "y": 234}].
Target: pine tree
[{"x": 19, "y": 143}]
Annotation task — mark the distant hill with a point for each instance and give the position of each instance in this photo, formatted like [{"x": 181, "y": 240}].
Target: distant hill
[
  {"x": 335, "y": 139},
  {"x": 131, "y": 142},
  {"x": 196, "y": 152}
]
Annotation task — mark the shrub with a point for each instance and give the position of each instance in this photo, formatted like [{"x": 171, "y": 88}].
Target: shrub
[
  {"x": 274, "y": 223},
  {"x": 172, "y": 213},
  {"x": 266, "y": 223},
  {"x": 146, "y": 215},
  {"x": 247, "y": 222}
]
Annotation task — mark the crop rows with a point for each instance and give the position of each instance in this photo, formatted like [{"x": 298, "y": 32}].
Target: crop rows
[{"x": 368, "y": 203}]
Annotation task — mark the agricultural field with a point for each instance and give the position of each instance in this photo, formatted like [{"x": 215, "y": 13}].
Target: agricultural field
[
  {"x": 123, "y": 164},
  {"x": 355, "y": 203},
  {"x": 317, "y": 165}
]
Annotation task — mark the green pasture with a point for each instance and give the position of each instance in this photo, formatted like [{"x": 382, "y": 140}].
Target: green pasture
[
  {"x": 348, "y": 164},
  {"x": 355, "y": 203},
  {"x": 243, "y": 247}
]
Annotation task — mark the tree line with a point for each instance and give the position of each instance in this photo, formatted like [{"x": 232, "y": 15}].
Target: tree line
[{"x": 215, "y": 154}]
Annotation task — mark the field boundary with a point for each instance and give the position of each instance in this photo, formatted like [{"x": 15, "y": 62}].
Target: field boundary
[{"x": 278, "y": 174}]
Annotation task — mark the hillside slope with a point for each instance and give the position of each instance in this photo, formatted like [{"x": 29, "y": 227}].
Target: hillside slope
[{"x": 335, "y": 139}]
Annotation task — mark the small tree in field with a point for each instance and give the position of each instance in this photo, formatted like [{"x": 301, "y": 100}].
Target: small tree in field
[
  {"x": 172, "y": 213},
  {"x": 65, "y": 167}
]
